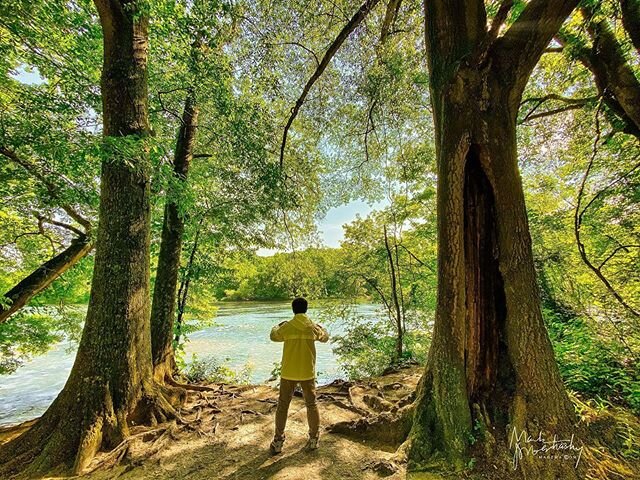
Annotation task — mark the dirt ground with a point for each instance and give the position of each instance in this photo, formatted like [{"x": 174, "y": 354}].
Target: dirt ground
[{"x": 225, "y": 435}]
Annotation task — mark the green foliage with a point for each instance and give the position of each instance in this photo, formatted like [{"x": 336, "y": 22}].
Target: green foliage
[
  {"x": 199, "y": 313},
  {"x": 366, "y": 347},
  {"x": 70, "y": 289},
  {"x": 611, "y": 425},
  {"x": 34, "y": 332},
  {"x": 275, "y": 371},
  {"x": 211, "y": 370},
  {"x": 594, "y": 366},
  {"x": 313, "y": 272}
]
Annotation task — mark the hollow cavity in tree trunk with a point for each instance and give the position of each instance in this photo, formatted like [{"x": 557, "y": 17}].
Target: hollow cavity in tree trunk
[{"x": 489, "y": 374}]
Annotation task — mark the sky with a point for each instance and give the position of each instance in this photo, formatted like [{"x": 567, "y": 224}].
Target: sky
[
  {"x": 330, "y": 227},
  {"x": 31, "y": 77}
]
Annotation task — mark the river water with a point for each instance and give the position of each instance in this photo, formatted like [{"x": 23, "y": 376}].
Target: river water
[{"x": 239, "y": 337}]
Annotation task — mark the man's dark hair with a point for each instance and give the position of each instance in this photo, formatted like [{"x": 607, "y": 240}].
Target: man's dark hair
[{"x": 299, "y": 305}]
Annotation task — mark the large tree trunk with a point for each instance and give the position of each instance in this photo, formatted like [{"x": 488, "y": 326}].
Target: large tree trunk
[
  {"x": 164, "y": 293},
  {"x": 491, "y": 370},
  {"x": 111, "y": 381},
  {"x": 44, "y": 275}
]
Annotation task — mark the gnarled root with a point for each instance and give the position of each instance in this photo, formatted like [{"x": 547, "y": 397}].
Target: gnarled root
[
  {"x": 159, "y": 406},
  {"x": 388, "y": 427},
  {"x": 14, "y": 431},
  {"x": 189, "y": 386},
  {"x": 382, "y": 467},
  {"x": 136, "y": 448},
  {"x": 78, "y": 425}
]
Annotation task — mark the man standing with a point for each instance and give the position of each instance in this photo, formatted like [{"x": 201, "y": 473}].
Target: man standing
[{"x": 298, "y": 366}]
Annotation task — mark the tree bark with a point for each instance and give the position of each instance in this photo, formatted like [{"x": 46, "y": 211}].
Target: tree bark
[
  {"x": 631, "y": 20},
  {"x": 44, "y": 275},
  {"x": 163, "y": 308},
  {"x": 111, "y": 382},
  {"x": 491, "y": 369},
  {"x": 394, "y": 280},
  {"x": 183, "y": 291},
  {"x": 613, "y": 71},
  {"x": 613, "y": 76}
]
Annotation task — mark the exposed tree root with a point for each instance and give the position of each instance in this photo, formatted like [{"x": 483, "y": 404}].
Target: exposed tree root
[
  {"x": 190, "y": 387},
  {"x": 160, "y": 407},
  {"x": 391, "y": 426},
  {"x": 13, "y": 431},
  {"x": 392, "y": 386},
  {"x": 350, "y": 396},
  {"x": 346, "y": 406},
  {"x": 125, "y": 451},
  {"x": 75, "y": 427},
  {"x": 211, "y": 406},
  {"x": 193, "y": 427},
  {"x": 377, "y": 403},
  {"x": 387, "y": 427},
  {"x": 137, "y": 448},
  {"x": 383, "y": 467},
  {"x": 388, "y": 466}
]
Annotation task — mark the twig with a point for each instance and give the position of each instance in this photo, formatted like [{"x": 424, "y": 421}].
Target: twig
[
  {"x": 306, "y": 49},
  {"x": 573, "y": 103}
]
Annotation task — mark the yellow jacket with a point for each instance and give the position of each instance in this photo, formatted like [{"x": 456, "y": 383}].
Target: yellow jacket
[{"x": 299, "y": 351}]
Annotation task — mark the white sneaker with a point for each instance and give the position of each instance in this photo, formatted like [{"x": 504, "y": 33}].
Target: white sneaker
[
  {"x": 276, "y": 446},
  {"x": 312, "y": 443}
]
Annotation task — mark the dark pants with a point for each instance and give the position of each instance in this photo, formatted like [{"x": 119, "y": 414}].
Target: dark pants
[{"x": 286, "y": 393}]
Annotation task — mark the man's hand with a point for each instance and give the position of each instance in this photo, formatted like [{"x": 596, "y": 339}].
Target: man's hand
[
  {"x": 275, "y": 334},
  {"x": 321, "y": 333}
]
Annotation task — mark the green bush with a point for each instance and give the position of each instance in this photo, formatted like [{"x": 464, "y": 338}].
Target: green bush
[
  {"x": 209, "y": 369},
  {"x": 591, "y": 365},
  {"x": 367, "y": 348},
  {"x": 364, "y": 350}
]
